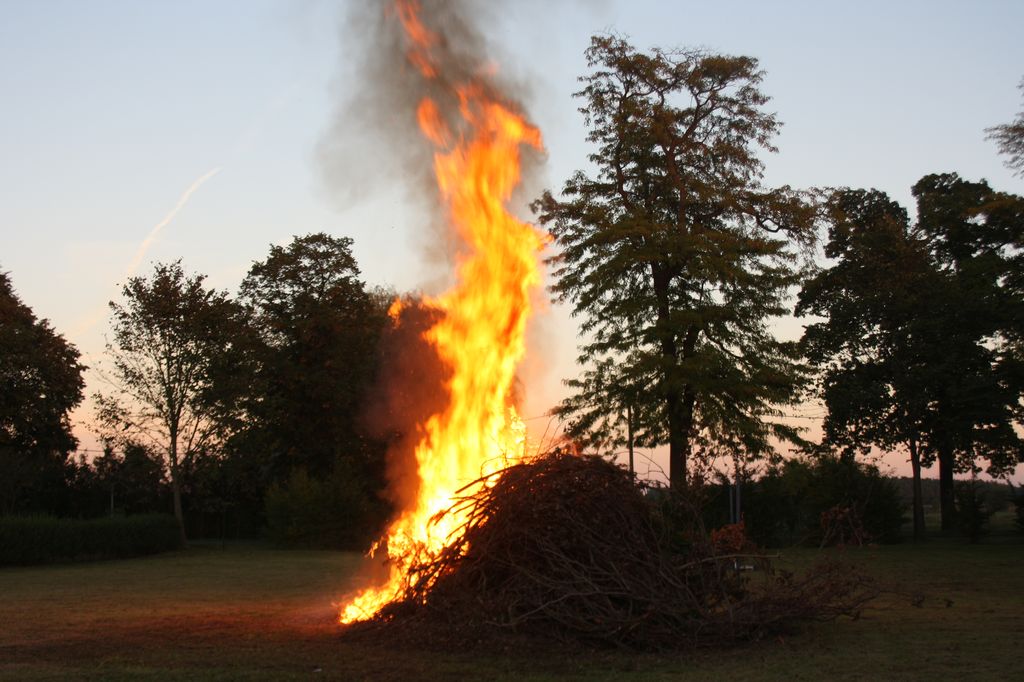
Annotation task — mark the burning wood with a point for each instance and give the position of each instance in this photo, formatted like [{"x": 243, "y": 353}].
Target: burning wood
[{"x": 567, "y": 546}]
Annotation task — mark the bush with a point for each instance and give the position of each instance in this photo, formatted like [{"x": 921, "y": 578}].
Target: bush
[
  {"x": 332, "y": 512},
  {"x": 828, "y": 500},
  {"x": 972, "y": 511},
  {"x": 44, "y": 539},
  {"x": 775, "y": 509},
  {"x": 1018, "y": 503}
]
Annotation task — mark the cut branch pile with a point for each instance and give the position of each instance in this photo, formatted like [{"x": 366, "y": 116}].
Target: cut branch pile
[{"x": 568, "y": 546}]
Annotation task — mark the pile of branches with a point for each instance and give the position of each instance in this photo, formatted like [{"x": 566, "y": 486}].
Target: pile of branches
[{"x": 568, "y": 546}]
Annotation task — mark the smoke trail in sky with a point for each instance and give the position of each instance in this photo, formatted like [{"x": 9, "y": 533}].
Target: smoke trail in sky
[
  {"x": 140, "y": 253},
  {"x": 151, "y": 237}
]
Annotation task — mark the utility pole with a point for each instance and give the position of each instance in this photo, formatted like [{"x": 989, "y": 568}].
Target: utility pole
[{"x": 739, "y": 497}]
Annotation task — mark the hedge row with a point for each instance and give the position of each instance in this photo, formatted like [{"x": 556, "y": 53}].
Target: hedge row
[{"x": 44, "y": 539}]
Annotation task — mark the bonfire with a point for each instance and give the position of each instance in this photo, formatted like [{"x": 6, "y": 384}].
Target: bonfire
[
  {"x": 568, "y": 547},
  {"x": 480, "y": 329},
  {"x": 561, "y": 544}
]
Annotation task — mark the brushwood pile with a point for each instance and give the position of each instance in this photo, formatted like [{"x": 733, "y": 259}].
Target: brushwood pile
[{"x": 569, "y": 547}]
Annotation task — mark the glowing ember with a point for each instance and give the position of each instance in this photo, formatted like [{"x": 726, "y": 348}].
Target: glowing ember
[{"x": 481, "y": 331}]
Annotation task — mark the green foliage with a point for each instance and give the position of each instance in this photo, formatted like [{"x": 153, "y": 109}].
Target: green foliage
[
  {"x": 40, "y": 383},
  {"x": 875, "y": 348},
  {"x": 45, "y": 539},
  {"x": 331, "y": 512},
  {"x": 790, "y": 502},
  {"x": 864, "y": 347},
  {"x": 972, "y": 510},
  {"x": 133, "y": 478},
  {"x": 920, "y": 345},
  {"x": 311, "y": 358},
  {"x": 975, "y": 236},
  {"x": 234, "y": 396},
  {"x": 676, "y": 257}
]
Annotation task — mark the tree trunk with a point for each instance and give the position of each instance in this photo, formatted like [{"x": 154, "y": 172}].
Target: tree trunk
[
  {"x": 684, "y": 423},
  {"x": 679, "y": 402},
  {"x": 678, "y": 442},
  {"x": 918, "y": 503},
  {"x": 176, "y": 491},
  {"x": 946, "y": 496},
  {"x": 678, "y": 445}
]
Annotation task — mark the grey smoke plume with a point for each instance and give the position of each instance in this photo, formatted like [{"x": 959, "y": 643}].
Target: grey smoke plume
[{"x": 373, "y": 141}]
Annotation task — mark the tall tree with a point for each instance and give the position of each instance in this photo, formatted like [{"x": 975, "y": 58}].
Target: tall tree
[
  {"x": 874, "y": 348},
  {"x": 675, "y": 254},
  {"x": 919, "y": 342},
  {"x": 976, "y": 238},
  {"x": 1009, "y": 138},
  {"x": 315, "y": 356},
  {"x": 40, "y": 383},
  {"x": 168, "y": 334}
]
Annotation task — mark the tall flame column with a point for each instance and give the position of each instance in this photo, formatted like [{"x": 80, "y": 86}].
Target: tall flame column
[{"x": 481, "y": 331}]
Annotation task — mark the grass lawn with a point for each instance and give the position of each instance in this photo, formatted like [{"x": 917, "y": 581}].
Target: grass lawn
[{"x": 262, "y": 614}]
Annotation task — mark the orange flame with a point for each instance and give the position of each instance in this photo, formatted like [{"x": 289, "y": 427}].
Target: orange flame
[{"x": 481, "y": 333}]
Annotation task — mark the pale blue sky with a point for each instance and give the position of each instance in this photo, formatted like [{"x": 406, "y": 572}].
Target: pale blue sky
[{"x": 112, "y": 109}]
